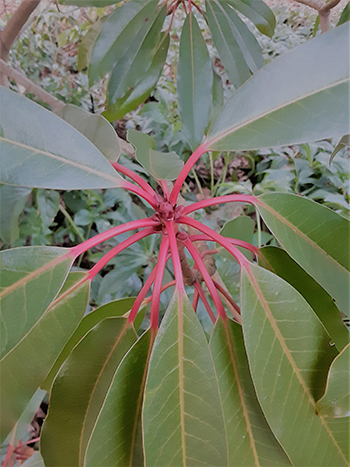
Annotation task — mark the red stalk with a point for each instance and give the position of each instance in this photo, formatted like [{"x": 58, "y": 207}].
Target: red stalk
[
  {"x": 165, "y": 188},
  {"x": 185, "y": 171},
  {"x": 166, "y": 286},
  {"x": 140, "y": 192},
  {"x": 228, "y": 297},
  {"x": 205, "y": 301},
  {"x": 208, "y": 252},
  {"x": 163, "y": 251},
  {"x": 118, "y": 249},
  {"x": 135, "y": 177},
  {"x": 233, "y": 241},
  {"x": 196, "y": 6},
  {"x": 195, "y": 300},
  {"x": 120, "y": 229},
  {"x": 8, "y": 454},
  {"x": 175, "y": 257},
  {"x": 220, "y": 200},
  {"x": 142, "y": 294},
  {"x": 206, "y": 276}
]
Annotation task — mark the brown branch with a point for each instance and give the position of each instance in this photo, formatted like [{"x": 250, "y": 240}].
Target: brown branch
[{"x": 323, "y": 9}]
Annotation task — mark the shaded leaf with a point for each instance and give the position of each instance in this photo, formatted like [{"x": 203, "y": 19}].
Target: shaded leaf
[
  {"x": 95, "y": 127},
  {"x": 96, "y": 3},
  {"x": 182, "y": 414},
  {"x": 250, "y": 439},
  {"x": 87, "y": 43},
  {"x": 345, "y": 141},
  {"x": 194, "y": 82},
  {"x": 289, "y": 356},
  {"x": 79, "y": 391},
  {"x": 279, "y": 262},
  {"x": 241, "y": 228},
  {"x": 12, "y": 202},
  {"x": 67, "y": 160},
  {"x": 336, "y": 401},
  {"x": 161, "y": 165},
  {"x": 217, "y": 96},
  {"x": 258, "y": 12},
  {"x": 324, "y": 252},
  {"x": 300, "y": 96},
  {"x": 27, "y": 364},
  {"x": 117, "y": 438},
  {"x": 34, "y": 461},
  {"x": 345, "y": 16}
]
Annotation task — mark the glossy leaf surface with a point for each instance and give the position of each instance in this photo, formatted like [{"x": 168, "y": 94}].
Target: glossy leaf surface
[
  {"x": 279, "y": 262},
  {"x": 117, "y": 438},
  {"x": 194, "y": 82},
  {"x": 95, "y": 127},
  {"x": 71, "y": 162},
  {"x": 27, "y": 364},
  {"x": 182, "y": 414},
  {"x": 250, "y": 439},
  {"x": 80, "y": 389},
  {"x": 12, "y": 202},
  {"x": 300, "y": 96},
  {"x": 336, "y": 401},
  {"x": 161, "y": 165},
  {"x": 30, "y": 278},
  {"x": 87, "y": 43},
  {"x": 258, "y": 12},
  {"x": 324, "y": 252},
  {"x": 289, "y": 356}
]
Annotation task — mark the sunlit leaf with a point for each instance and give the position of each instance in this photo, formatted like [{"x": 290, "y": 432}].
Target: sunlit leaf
[
  {"x": 336, "y": 401},
  {"x": 194, "y": 82},
  {"x": 345, "y": 16},
  {"x": 279, "y": 262},
  {"x": 324, "y": 252},
  {"x": 12, "y": 202},
  {"x": 182, "y": 414},
  {"x": 79, "y": 391},
  {"x": 289, "y": 355},
  {"x": 300, "y": 96},
  {"x": 117, "y": 438},
  {"x": 258, "y": 12},
  {"x": 250, "y": 439},
  {"x": 44, "y": 151}
]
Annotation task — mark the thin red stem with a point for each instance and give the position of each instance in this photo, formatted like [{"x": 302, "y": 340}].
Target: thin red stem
[
  {"x": 229, "y": 299},
  {"x": 206, "y": 276},
  {"x": 205, "y": 301},
  {"x": 165, "y": 188},
  {"x": 165, "y": 287},
  {"x": 195, "y": 299},
  {"x": 120, "y": 229},
  {"x": 163, "y": 251},
  {"x": 196, "y": 6},
  {"x": 135, "y": 177},
  {"x": 220, "y": 200},
  {"x": 175, "y": 256},
  {"x": 184, "y": 4},
  {"x": 208, "y": 252},
  {"x": 8, "y": 454},
  {"x": 142, "y": 294},
  {"x": 172, "y": 18},
  {"x": 189, "y": 6},
  {"x": 233, "y": 241},
  {"x": 185, "y": 171},
  {"x": 140, "y": 192},
  {"x": 118, "y": 249}
]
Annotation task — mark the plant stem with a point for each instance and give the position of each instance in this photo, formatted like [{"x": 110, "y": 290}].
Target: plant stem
[
  {"x": 220, "y": 200},
  {"x": 233, "y": 241},
  {"x": 175, "y": 256},
  {"x": 195, "y": 299},
  {"x": 258, "y": 223},
  {"x": 135, "y": 177},
  {"x": 201, "y": 293},
  {"x": 165, "y": 287},
  {"x": 198, "y": 183},
  {"x": 140, "y": 192},
  {"x": 141, "y": 296},
  {"x": 211, "y": 162},
  {"x": 70, "y": 220},
  {"x": 158, "y": 282},
  {"x": 237, "y": 314},
  {"x": 8, "y": 454}
]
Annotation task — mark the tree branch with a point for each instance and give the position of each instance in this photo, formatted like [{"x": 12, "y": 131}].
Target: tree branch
[{"x": 323, "y": 9}]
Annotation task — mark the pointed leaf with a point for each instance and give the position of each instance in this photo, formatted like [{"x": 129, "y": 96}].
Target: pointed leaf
[
  {"x": 127, "y": 25},
  {"x": 345, "y": 141},
  {"x": 161, "y": 165},
  {"x": 95, "y": 127},
  {"x": 345, "y": 16},
  {"x": 241, "y": 228},
  {"x": 194, "y": 82},
  {"x": 289, "y": 355},
  {"x": 300, "y": 96},
  {"x": 44, "y": 151},
  {"x": 87, "y": 43},
  {"x": 279, "y": 262},
  {"x": 258, "y": 12},
  {"x": 117, "y": 439},
  {"x": 336, "y": 401},
  {"x": 27, "y": 364},
  {"x": 12, "y": 202},
  {"x": 217, "y": 97},
  {"x": 79, "y": 391},
  {"x": 250, "y": 439},
  {"x": 182, "y": 414},
  {"x": 324, "y": 252},
  {"x": 30, "y": 278},
  {"x": 112, "y": 309}
]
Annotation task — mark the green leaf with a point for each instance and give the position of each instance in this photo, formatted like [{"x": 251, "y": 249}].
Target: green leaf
[
  {"x": 258, "y": 12},
  {"x": 96, "y": 3},
  {"x": 161, "y": 165},
  {"x": 95, "y": 127},
  {"x": 279, "y": 262},
  {"x": 12, "y": 202},
  {"x": 30, "y": 278},
  {"x": 112, "y": 309},
  {"x": 117, "y": 438},
  {"x": 87, "y": 43},
  {"x": 324, "y": 252},
  {"x": 34, "y": 461},
  {"x": 238, "y": 49},
  {"x": 300, "y": 96},
  {"x": 44, "y": 151},
  {"x": 336, "y": 401},
  {"x": 127, "y": 25},
  {"x": 182, "y": 413},
  {"x": 79, "y": 391},
  {"x": 250, "y": 439},
  {"x": 26, "y": 365},
  {"x": 345, "y": 16},
  {"x": 144, "y": 85},
  {"x": 345, "y": 141},
  {"x": 241, "y": 228},
  {"x": 289, "y": 355},
  {"x": 194, "y": 82},
  {"x": 217, "y": 97}
]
